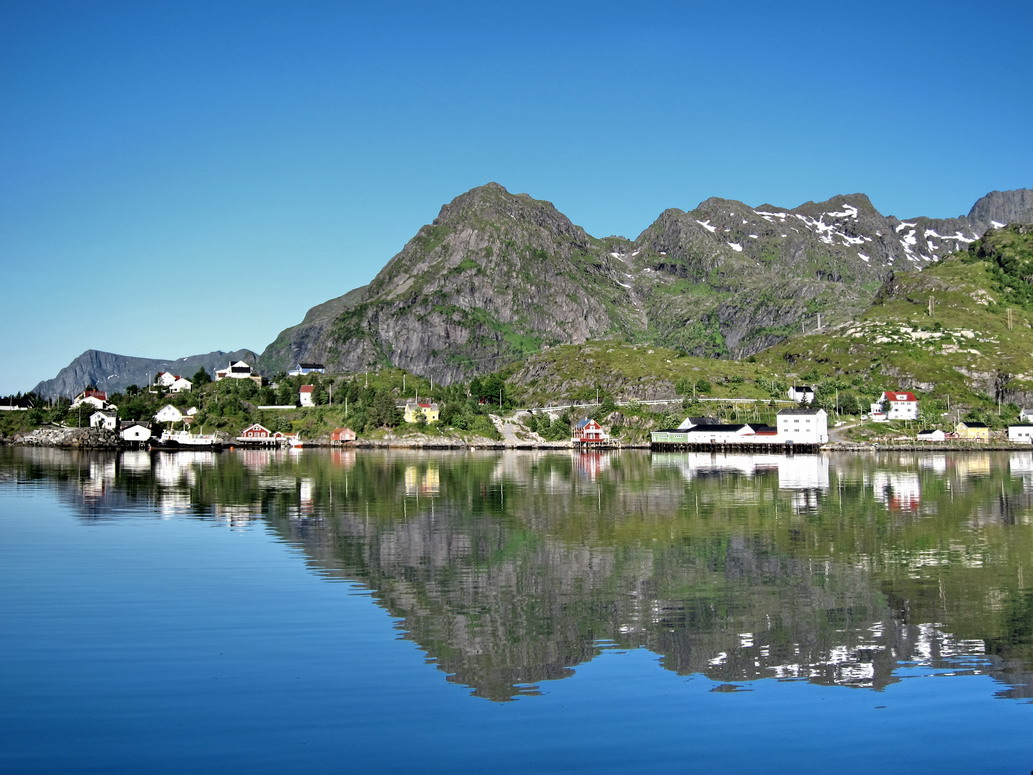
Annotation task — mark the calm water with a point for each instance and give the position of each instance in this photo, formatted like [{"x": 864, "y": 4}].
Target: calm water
[{"x": 455, "y": 612}]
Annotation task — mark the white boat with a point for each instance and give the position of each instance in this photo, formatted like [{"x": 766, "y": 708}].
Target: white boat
[{"x": 186, "y": 440}]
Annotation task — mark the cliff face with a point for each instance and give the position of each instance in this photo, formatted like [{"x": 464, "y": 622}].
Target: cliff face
[
  {"x": 111, "y": 372},
  {"x": 497, "y": 276}
]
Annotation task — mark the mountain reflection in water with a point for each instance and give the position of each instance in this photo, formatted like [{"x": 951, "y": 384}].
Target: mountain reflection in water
[{"x": 509, "y": 569}]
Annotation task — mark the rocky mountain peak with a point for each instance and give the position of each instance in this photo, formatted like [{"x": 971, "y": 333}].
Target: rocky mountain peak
[
  {"x": 498, "y": 275},
  {"x": 1004, "y": 207}
]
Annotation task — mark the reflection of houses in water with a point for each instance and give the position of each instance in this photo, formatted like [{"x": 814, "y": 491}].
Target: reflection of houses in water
[
  {"x": 897, "y": 491},
  {"x": 101, "y": 478},
  {"x": 175, "y": 473},
  {"x": 237, "y": 514},
  {"x": 254, "y": 459},
  {"x": 972, "y": 465},
  {"x": 802, "y": 472},
  {"x": 174, "y": 469},
  {"x": 806, "y": 476},
  {"x": 306, "y": 504},
  {"x": 1020, "y": 466},
  {"x": 590, "y": 464},
  {"x": 135, "y": 461},
  {"x": 343, "y": 458},
  {"x": 512, "y": 466},
  {"x": 935, "y": 463},
  {"x": 425, "y": 482}
]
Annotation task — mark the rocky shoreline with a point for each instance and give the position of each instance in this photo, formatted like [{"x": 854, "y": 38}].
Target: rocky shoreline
[
  {"x": 98, "y": 438},
  {"x": 76, "y": 438}
]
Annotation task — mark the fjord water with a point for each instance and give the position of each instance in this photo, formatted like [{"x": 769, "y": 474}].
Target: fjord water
[{"x": 363, "y": 611}]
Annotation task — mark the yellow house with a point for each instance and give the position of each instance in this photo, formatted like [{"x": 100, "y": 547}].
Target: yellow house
[
  {"x": 414, "y": 412},
  {"x": 973, "y": 431}
]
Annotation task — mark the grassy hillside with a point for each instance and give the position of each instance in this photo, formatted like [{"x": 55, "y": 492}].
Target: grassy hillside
[
  {"x": 627, "y": 372},
  {"x": 960, "y": 331}
]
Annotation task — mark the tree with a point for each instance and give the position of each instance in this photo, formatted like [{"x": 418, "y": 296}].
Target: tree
[{"x": 201, "y": 377}]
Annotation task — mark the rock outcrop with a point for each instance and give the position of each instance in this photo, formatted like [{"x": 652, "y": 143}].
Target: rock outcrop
[{"x": 80, "y": 438}]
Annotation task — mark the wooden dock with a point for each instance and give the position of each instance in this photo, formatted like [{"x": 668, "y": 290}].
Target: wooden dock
[{"x": 788, "y": 447}]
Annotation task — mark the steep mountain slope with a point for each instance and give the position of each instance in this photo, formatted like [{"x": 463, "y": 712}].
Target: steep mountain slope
[
  {"x": 497, "y": 276},
  {"x": 112, "y": 372},
  {"x": 963, "y": 327}
]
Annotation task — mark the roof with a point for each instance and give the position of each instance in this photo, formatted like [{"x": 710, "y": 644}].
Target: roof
[
  {"x": 306, "y": 388},
  {"x": 1020, "y": 425},
  {"x": 800, "y": 411},
  {"x": 717, "y": 428},
  {"x": 973, "y": 424},
  {"x": 758, "y": 428},
  {"x": 310, "y": 366},
  {"x": 929, "y": 431},
  {"x": 891, "y": 396},
  {"x": 803, "y": 388}
]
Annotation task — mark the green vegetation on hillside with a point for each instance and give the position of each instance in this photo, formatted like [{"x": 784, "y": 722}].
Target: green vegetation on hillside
[{"x": 959, "y": 333}]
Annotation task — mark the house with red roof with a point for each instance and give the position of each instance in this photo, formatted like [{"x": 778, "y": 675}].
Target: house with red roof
[
  {"x": 306, "y": 395},
  {"x": 895, "y": 406},
  {"x": 589, "y": 432},
  {"x": 98, "y": 399}
]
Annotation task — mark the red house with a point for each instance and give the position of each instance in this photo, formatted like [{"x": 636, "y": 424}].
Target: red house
[
  {"x": 588, "y": 432},
  {"x": 255, "y": 431},
  {"x": 340, "y": 435}
]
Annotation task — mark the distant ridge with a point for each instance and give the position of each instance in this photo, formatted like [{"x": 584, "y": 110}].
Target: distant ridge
[
  {"x": 112, "y": 372},
  {"x": 498, "y": 276}
]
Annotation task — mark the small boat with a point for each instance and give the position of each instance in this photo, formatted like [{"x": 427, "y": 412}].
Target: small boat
[{"x": 185, "y": 440}]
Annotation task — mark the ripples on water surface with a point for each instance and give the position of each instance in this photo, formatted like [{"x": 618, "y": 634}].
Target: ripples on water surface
[{"x": 364, "y": 611}]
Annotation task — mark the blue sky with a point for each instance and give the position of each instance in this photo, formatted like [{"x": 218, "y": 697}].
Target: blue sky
[{"x": 181, "y": 177}]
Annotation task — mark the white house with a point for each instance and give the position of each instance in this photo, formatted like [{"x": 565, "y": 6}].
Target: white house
[
  {"x": 306, "y": 395},
  {"x": 802, "y": 394},
  {"x": 931, "y": 435},
  {"x": 1022, "y": 434},
  {"x": 104, "y": 418},
  {"x": 717, "y": 433},
  {"x": 895, "y": 406},
  {"x": 180, "y": 384},
  {"x": 164, "y": 379},
  {"x": 169, "y": 413},
  {"x": 238, "y": 370},
  {"x": 136, "y": 433},
  {"x": 98, "y": 399},
  {"x": 306, "y": 368},
  {"x": 803, "y": 426},
  {"x": 1026, "y": 414}
]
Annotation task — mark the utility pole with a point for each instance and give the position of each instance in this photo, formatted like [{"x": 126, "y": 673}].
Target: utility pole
[{"x": 930, "y": 306}]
